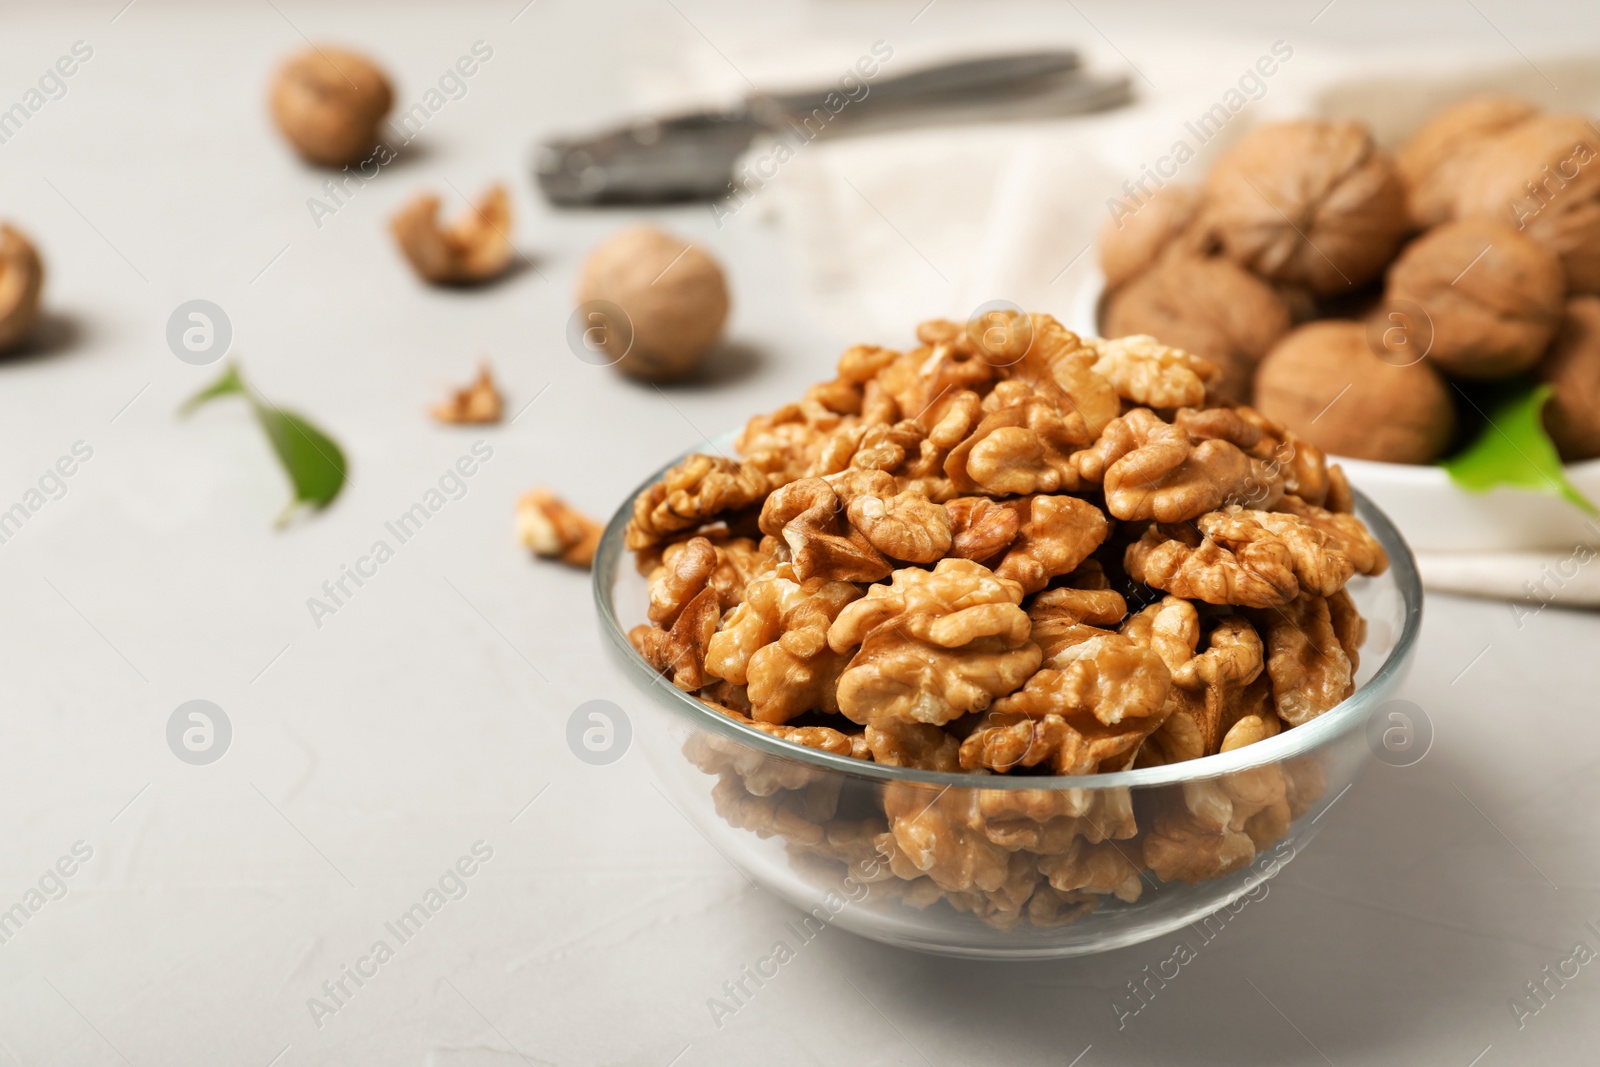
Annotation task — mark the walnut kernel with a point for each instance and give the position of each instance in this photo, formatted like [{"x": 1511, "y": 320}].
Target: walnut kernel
[
  {"x": 549, "y": 527},
  {"x": 478, "y": 403}
]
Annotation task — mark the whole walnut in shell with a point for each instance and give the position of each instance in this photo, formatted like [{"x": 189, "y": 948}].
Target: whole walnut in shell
[
  {"x": 1130, "y": 245},
  {"x": 21, "y": 280},
  {"x": 1542, "y": 176},
  {"x": 1210, "y": 307},
  {"x": 328, "y": 102},
  {"x": 1431, "y": 163},
  {"x": 1494, "y": 296},
  {"x": 1573, "y": 369},
  {"x": 1307, "y": 202},
  {"x": 673, "y": 293},
  {"x": 1325, "y": 383}
]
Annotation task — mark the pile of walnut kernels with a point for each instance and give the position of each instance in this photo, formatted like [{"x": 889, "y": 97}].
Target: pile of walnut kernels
[{"x": 1009, "y": 550}]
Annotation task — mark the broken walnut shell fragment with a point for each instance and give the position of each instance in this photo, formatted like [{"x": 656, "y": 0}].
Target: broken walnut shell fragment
[{"x": 475, "y": 248}]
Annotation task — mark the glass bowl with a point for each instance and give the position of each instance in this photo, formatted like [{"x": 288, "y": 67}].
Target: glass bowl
[{"x": 1160, "y": 847}]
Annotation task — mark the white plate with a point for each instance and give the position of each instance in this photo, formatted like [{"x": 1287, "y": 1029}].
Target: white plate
[{"x": 1434, "y": 513}]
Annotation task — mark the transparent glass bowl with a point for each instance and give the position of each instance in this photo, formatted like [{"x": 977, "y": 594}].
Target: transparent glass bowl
[{"x": 803, "y": 823}]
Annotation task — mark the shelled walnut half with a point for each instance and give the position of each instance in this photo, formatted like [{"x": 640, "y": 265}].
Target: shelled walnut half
[{"x": 550, "y": 527}]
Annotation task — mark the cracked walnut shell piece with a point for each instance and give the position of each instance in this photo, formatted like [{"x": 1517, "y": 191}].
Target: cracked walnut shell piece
[{"x": 476, "y": 248}]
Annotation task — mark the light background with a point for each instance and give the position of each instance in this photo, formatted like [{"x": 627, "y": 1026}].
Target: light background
[{"x": 369, "y": 753}]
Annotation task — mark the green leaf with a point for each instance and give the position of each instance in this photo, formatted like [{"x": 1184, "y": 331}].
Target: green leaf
[
  {"x": 315, "y": 465},
  {"x": 314, "y": 462},
  {"x": 1514, "y": 449},
  {"x": 227, "y": 385}
]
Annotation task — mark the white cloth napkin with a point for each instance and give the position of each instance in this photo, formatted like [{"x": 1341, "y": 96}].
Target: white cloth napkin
[{"x": 1532, "y": 581}]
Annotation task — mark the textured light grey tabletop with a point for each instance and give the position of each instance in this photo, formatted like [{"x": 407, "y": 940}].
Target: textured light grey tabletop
[{"x": 374, "y": 747}]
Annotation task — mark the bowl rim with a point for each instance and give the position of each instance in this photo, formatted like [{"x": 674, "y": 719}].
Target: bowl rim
[
  {"x": 1287, "y": 744},
  {"x": 1086, "y": 308}
]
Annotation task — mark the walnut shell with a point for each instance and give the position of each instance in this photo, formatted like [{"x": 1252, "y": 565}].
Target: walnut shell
[
  {"x": 1300, "y": 301},
  {"x": 1573, "y": 368},
  {"x": 1309, "y": 201},
  {"x": 673, "y": 293},
  {"x": 1325, "y": 383},
  {"x": 1543, "y": 177},
  {"x": 1129, "y": 246},
  {"x": 1430, "y": 164},
  {"x": 21, "y": 281},
  {"x": 1210, "y": 307},
  {"x": 328, "y": 102},
  {"x": 1494, "y": 296},
  {"x": 475, "y": 248}
]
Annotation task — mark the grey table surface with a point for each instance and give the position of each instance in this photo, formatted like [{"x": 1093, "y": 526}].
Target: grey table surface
[{"x": 373, "y": 747}]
